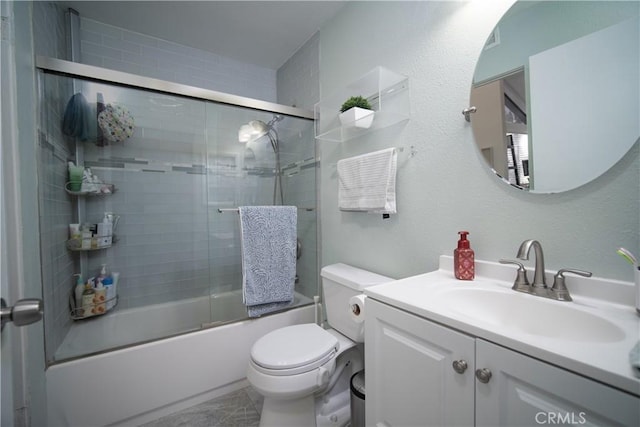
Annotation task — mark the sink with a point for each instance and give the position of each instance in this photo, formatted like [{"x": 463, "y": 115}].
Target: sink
[{"x": 529, "y": 314}]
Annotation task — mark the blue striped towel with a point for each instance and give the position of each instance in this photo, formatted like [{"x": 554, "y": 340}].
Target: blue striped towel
[{"x": 268, "y": 246}]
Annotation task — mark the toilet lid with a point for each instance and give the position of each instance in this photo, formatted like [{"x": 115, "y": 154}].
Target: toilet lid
[{"x": 293, "y": 346}]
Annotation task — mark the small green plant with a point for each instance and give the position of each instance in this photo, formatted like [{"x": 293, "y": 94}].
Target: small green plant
[{"x": 355, "y": 101}]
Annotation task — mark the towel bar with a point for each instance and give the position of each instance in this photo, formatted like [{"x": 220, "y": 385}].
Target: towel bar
[{"x": 236, "y": 210}]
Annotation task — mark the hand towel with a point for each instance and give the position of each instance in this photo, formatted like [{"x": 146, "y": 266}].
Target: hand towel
[
  {"x": 634, "y": 359},
  {"x": 268, "y": 246},
  {"x": 368, "y": 182}
]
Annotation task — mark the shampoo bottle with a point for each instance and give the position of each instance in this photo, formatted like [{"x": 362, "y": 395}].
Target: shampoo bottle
[
  {"x": 100, "y": 298},
  {"x": 78, "y": 290},
  {"x": 463, "y": 259},
  {"x": 88, "y": 301}
]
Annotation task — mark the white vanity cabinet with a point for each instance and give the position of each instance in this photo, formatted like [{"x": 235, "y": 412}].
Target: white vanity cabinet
[
  {"x": 411, "y": 381},
  {"x": 409, "y": 376},
  {"x": 523, "y": 391}
]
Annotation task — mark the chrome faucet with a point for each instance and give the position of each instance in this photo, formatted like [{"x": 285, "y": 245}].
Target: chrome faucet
[
  {"x": 539, "y": 281},
  {"x": 539, "y": 287}
]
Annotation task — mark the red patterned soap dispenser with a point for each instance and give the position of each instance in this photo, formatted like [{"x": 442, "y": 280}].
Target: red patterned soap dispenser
[{"x": 463, "y": 259}]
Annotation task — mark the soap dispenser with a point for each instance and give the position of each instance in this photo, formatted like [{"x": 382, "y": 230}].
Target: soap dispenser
[{"x": 463, "y": 259}]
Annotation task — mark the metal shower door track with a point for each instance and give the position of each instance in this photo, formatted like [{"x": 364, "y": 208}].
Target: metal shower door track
[{"x": 76, "y": 69}]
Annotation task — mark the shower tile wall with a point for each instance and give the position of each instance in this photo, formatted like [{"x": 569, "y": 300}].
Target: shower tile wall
[
  {"x": 162, "y": 248},
  {"x": 299, "y": 85},
  {"x": 299, "y": 78},
  {"x": 56, "y": 207},
  {"x": 119, "y": 49}
]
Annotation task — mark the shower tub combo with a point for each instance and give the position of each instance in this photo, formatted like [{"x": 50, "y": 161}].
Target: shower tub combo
[{"x": 179, "y": 334}]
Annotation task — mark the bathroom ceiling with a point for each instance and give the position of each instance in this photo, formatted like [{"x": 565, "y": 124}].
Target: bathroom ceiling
[{"x": 264, "y": 33}]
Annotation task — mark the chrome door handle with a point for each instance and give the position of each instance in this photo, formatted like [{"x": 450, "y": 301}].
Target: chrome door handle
[
  {"x": 483, "y": 375},
  {"x": 460, "y": 366},
  {"x": 24, "y": 312}
]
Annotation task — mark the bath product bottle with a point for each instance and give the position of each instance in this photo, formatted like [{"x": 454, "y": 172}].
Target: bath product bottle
[
  {"x": 78, "y": 290},
  {"x": 109, "y": 291},
  {"x": 103, "y": 273},
  {"x": 100, "y": 298},
  {"x": 88, "y": 303},
  {"x": 463, "y": 259}
]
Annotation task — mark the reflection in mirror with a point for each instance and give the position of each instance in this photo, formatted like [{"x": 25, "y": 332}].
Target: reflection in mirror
[{"x": 556, "y": 92}]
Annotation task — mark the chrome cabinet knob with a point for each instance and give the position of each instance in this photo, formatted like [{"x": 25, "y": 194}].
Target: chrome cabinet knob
[
  {"x": 483, "y": 375},
  {"x": 460, "y": 366}
]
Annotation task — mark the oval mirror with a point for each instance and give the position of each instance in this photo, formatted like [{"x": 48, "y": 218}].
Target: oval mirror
[{"x": 556, "y": 91}]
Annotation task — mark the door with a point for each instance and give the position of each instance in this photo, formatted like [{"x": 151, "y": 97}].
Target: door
[
  {"x": 521, "y": 391},
  {"x": 22, "y": 349},
  {"x": 417, "y": 373}
]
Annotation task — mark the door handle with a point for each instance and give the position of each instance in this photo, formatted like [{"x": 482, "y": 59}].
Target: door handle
[{"x": 24, "y": 312}]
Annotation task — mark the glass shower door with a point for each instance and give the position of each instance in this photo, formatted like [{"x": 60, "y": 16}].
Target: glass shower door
[
  {"x": 274, "y": 166},
  {"x": 159, "y": 244}
]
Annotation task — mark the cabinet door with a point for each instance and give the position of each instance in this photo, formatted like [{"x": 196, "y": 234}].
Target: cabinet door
[
  {"x": 527, "y": 392},
  {"x": 409, "y": 376}
]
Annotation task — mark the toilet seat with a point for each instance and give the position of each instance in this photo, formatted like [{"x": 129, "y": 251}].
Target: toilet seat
[{"x": 293, "y": 350}]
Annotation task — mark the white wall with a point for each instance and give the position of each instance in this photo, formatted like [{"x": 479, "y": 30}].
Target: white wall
[{"x": 446, "y": 187}]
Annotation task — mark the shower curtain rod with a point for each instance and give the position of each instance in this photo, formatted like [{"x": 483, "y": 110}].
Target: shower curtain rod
[{"x": 76, "y": 69}]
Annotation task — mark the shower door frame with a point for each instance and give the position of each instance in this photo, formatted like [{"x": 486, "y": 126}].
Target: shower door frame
[
  {"x": 102, "y": 75},
  {"x": 90, "y": 72}
]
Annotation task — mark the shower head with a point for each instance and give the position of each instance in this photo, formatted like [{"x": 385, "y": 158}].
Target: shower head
[{"x": 256, "y": 129}]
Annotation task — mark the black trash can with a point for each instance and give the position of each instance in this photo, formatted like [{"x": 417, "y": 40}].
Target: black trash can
[{"x": 357, "y": 399}]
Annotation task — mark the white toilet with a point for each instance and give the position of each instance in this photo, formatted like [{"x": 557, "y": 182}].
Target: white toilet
[{"x": 303, "y": 371}]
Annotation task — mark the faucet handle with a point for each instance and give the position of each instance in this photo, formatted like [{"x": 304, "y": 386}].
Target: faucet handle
[
  {"x": 521, "y": 283},
  {"x": 559, "y": 288}
]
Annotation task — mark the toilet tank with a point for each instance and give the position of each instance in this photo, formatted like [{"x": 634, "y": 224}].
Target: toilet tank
[{"x": 340, "y": 282}]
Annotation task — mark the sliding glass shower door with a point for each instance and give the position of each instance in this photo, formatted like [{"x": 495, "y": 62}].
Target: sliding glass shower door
[{"x": 166, "y": 171}]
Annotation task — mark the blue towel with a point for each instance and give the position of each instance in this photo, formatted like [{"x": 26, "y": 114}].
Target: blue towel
[
  {"x": 78, "y": 120},
  {"x": 268, "y": 246}
]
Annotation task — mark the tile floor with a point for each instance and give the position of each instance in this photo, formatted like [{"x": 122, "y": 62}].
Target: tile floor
[{"x": 237, "y": 409}]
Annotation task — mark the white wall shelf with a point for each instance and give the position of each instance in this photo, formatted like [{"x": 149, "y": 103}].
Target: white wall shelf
[{"x": 386, "y": 91}]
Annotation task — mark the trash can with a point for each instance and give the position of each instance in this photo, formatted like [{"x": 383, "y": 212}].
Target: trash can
[{"x": 357, "y": 399}]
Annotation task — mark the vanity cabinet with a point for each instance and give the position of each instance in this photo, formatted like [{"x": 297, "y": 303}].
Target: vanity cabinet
[
  {"x": 409, "y": 376},
  {"x": 411, "y": 381}
]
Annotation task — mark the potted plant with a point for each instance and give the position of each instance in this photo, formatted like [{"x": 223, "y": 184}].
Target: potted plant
[{"x": 356, "y": 111}]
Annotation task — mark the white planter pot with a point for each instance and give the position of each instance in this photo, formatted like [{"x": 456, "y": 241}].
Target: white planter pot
[{"x": 358, "y": 117}]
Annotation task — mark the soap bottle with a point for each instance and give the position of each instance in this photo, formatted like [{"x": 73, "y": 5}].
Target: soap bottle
[
  {"x": 78, "y": 290},
  {"x": 110, "y": 292},
  {"x": 100, "y": 298},
  {"x": 463, "y": 259},
  {"x": 88, "y": 301}
]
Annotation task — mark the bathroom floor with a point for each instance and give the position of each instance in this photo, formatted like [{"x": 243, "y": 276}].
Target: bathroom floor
[{"x": 237, "y": 409}]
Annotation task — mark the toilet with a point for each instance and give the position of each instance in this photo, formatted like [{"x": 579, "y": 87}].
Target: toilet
[{"x": 303, "y": 371}]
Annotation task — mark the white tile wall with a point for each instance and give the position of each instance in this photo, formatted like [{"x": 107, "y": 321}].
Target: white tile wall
[
  {"x": 299, "y": 78},
  {"x": 107, "y": 46}
]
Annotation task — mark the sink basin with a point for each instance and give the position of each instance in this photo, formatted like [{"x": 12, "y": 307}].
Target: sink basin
[{"x": 529, "y": 314}]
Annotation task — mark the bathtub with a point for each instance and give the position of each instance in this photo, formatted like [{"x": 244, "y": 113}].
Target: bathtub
[{"x": 140, "y": 383}]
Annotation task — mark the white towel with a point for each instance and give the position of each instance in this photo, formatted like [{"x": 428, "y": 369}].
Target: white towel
[
  {"x": 368, "y": 182},
  {"x": 268, "y": 246}
]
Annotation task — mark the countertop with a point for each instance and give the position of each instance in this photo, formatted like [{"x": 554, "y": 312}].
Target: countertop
[{"x": 606, "y": 362}]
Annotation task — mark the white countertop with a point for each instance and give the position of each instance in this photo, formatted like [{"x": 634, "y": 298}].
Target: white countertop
[{"x": 607, "y": 362}]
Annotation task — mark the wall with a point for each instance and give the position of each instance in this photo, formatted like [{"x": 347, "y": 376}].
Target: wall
[
  {"x": 445, "y": 187},
  {"x": 119, "y": 49}
]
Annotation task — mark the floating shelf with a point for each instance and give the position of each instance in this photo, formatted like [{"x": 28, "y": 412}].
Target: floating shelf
[{"x": 386, "y": 91}]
